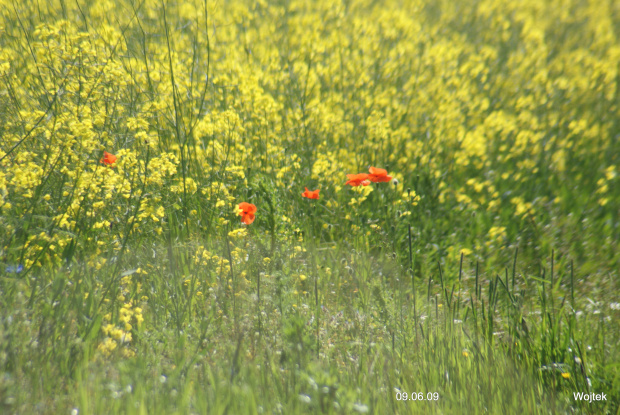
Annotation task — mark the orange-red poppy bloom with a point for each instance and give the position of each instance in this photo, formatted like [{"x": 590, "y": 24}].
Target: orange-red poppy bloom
[
  {"x": 247, "y": 211},
  {"x": 311, "y": 194},
  {"x": 357, "y": 179},
  {"x": 378, "y": 175},
  {"x": 108, "y": 158}
]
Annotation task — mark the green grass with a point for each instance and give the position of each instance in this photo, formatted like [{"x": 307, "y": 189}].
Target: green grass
[{"x": 495, "y": 346}]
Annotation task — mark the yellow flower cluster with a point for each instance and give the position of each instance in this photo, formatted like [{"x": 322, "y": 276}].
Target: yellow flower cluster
[
  {"x": 282, "y": 91},
  {"x": 505, "y": 109}
]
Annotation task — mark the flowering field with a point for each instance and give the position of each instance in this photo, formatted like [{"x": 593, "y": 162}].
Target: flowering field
[{"x": 309, "y": 207}]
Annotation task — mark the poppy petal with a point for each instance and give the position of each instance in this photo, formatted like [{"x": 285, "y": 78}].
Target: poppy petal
[{"x": 377, "y": 172}]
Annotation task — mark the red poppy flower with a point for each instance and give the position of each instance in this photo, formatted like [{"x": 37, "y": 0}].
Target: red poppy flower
[
  {"x": 378, "y": 175},
  {"x": 108, "y": 158},
  {"x": 247, "y": 211},
  {"x": 357, "y": 179},
  {"x": 311, "y": 194}
]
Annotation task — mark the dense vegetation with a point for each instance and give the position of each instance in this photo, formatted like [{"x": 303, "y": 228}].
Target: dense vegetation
[{"x": 483, "y": 273}]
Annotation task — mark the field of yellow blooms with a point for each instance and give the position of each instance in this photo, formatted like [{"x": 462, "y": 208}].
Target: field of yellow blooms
[{"x": 328, "y": 207}]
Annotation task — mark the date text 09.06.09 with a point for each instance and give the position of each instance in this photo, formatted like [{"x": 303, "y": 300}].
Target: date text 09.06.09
[{"x": 416, "y": 396}]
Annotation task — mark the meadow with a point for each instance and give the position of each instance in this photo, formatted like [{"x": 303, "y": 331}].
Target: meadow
[{"x": 163, "y": 249}]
